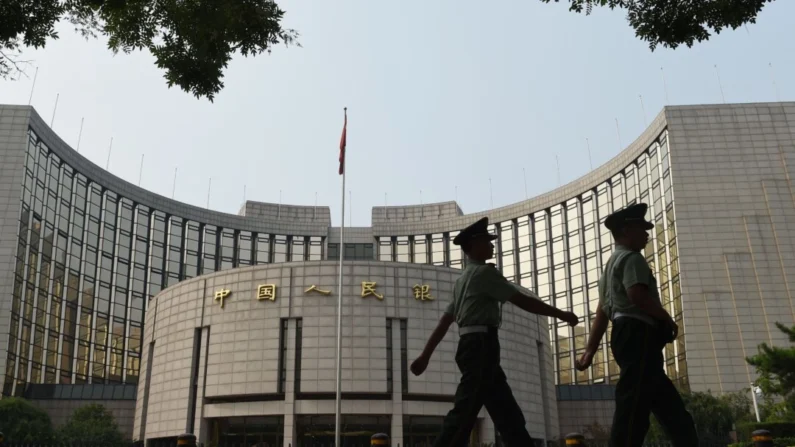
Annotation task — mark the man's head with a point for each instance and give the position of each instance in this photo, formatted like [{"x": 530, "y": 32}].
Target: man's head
[
  {"x": 475, "y": 240},
  {"x": 630, "y": 227}
]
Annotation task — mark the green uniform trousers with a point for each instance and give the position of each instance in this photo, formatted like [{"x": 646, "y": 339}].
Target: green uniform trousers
[
  {"x": 643, "y": 388},
  {"x": 483, "y": 382}
]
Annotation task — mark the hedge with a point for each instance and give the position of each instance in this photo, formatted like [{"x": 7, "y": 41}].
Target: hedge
[
  {"x": 777, "y": 442},
  {"x": 777, "y": 429}
]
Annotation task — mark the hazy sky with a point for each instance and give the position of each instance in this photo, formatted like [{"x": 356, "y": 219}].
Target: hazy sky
[{"x": 440, "y": 94}]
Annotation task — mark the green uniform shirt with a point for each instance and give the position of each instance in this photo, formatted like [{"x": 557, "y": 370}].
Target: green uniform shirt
[
  {"x": 480, "y": 302},
  {"x": 624, "y": 269}
]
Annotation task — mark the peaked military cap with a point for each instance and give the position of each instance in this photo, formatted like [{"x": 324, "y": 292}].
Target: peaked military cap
[
  {"x": 628, "y": 215},
  {"x": 476, "y": 230}
]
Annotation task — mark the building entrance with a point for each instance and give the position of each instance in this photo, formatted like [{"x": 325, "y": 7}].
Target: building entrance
[{"x": 318, "y": 430}]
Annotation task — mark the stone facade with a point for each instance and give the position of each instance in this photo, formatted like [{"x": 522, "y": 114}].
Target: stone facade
[
  {"x": 247, "y": 345},
  {"x": 735, "y": 219}
]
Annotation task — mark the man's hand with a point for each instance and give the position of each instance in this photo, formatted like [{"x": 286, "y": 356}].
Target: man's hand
[
  {"x": 673, "y": 327},
  {"x": 418, "y": 366},
  {"x": 570, "y": 317},
  {"x": 584, "y": 361}
]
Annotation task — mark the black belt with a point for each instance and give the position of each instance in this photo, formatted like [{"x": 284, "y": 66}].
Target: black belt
[{"x": 476, "y": 329}]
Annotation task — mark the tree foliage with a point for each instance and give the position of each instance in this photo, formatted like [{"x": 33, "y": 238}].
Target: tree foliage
[
  {"x": 776, "y": 369},
  {"x": 91, "y": 424},
  {"x": 21, "y": 421},
  {"x": 714, "y": 416},
  {"x": 672, "y": 23},
  {"x": 192, "y": 41}
]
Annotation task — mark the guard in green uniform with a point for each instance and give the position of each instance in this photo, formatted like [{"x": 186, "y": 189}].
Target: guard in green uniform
[
  {"x": 478, "y": 297},
  {"x": 628, "y": 297}
]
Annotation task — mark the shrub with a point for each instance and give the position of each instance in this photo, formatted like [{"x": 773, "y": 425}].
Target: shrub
[
  {"x": 93, "y": 424},
  {"x": 777, "y": 442},
  {"x": 21, "y": 421}
]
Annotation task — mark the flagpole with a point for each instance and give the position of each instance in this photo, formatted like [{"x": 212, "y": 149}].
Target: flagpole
[{"x": 338, "y": 410}]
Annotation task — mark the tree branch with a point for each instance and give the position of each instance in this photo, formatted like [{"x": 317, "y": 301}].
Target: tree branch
[{"x": 9, "y": 64}]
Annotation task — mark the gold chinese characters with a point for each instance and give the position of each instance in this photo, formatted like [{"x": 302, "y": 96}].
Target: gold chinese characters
[
  {"x": 314, "y": 288},
  {"x": 266, "y": 292},
  {"x": 220, "y": 295},
  {"x": 368, "y": 288},
  {"x": 422, "y": 292}
]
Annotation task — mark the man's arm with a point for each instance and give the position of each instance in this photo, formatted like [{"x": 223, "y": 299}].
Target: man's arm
[
  {"x": 598, "y": 328},
  {"x": 438, "y": 334},
  {"x": 502, "y": 290},
  {"x": 539, "y": 307},
  {"x": 419, "y": 365}
]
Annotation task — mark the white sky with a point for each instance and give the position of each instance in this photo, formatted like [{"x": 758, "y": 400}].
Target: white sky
[{"x": 440, "y": 94}]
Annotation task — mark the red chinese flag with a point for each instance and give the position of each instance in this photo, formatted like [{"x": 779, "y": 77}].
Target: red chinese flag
[{"x": 342, "y": 143}]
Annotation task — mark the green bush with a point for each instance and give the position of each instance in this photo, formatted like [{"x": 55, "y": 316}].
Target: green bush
[
  {"x": 94, "y": 424},
  {"x": 777, "y": 442},
  {"x": 21, "y": 421},
  {"x": 777, "y": 429}
]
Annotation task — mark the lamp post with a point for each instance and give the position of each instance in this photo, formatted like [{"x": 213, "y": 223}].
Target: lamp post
[{"x": 754, "y": 391}]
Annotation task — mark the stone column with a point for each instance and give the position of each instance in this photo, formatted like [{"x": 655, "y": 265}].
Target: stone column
[{"x": 289, "y": 386}]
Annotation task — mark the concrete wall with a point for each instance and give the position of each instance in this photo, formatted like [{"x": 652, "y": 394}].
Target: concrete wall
[
  {"x": 735, "y": 217},
  {"x": 242, "y": 350},
  {"x": 13, "y": 144}
]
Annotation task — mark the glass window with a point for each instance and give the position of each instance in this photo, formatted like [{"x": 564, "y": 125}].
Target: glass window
[
  {"x": 157, "y": 257},
  {"x": 654, "y": 163},
  {"x": 617, "y": 189},
  {"x": 507, "y": 253},
  {"x": 420, "y": 250},
  {"x": 368, "y": 251},
  {"x": 524, "y": 242},
  {"x": 174, "y": 263},
  {"x": 456, "y": 255},
  {"x": 350, "y": 251},
  {"x": 298, "y": 251},
  {"x": 315, "y": 248},
  {"x": 643, "y": 174},
  {"x": 556, "y": 220},
  {"x": 402, "y": 249},
  {"x": 244, "y": 248},
  {"x": 263, "y": 249},
  {"x": 333, "y": 251},
  {"x": 142, "y": 221},
  {"x": 192, "y": 239},
  {"x": 437, "y": 249},
  {"x": 227, "y": 249},
  {"x": 210, "y": 240},
  {"x": 280, "y": 249},
  {"x": 385, "y": 249},
  {"x": 543, "y": 288},
  {"x": 631, "y": 184}
]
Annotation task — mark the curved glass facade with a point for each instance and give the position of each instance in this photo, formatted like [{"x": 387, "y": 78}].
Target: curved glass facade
[
  {"x": 89, "y": 257},
  {"x": 560, "y": 252},
  {"x": 87, "y": 262}
]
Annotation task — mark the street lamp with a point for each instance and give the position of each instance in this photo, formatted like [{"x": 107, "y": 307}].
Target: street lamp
[{"x": 756, "y": 391}]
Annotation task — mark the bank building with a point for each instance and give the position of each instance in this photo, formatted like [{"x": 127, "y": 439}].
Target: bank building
[{"x": 182, "y": 319}]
